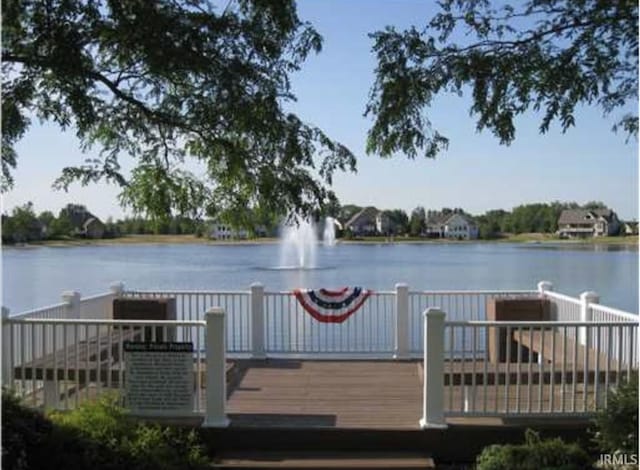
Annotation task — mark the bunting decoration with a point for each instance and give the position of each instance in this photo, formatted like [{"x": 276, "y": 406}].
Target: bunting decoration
[{"x": 332, "y": 306}]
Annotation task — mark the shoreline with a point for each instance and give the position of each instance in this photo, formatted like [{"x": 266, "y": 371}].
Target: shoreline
[{"x": 527, "y": 239}]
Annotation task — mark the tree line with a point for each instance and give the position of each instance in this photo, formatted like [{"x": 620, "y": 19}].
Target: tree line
[
  {"x": 526, "y": 218},
  {"x": 24, "y": 225}
]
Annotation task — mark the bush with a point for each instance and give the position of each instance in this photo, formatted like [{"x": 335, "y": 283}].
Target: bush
[
  {"x": 96, "y": 436},
  {"x": 617, "y": 425},
  {"x": 23, "y": 431},
  {"x": 534, "y": 454}
]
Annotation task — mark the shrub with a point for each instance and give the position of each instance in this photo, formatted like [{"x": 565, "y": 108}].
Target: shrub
[
  {"x": 96, "y": 436},
  {"x": 617, "y": 425},
  {"x": 534, "y": 454},
  {"x": 23, "y": 431}
]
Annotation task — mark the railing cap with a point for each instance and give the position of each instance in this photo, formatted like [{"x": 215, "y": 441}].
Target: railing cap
[
  {"x": 589, "y": 296},
  {"x": 217, "y": 311},
  {"x": 433, "y": 312},
  {"x": 117, "y": 287},
  {"x": 402, "y": 285},
  {"x": 255, "y": 285},
  {"x": 544, "y": 286},
  {"x": 70, "y": 296}
]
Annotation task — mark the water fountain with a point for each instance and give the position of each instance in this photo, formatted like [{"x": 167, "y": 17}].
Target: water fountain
[
  {"x": 329, "y": 234},
  {"x": 298, "y": 245}
]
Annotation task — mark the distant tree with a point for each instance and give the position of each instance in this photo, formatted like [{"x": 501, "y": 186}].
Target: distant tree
[
  {"x": 492, "y": 223},
  {"x": 591, "y": 205},
  {"x": 46, "y": 219},
  {"x": 166, "y": 82},
  {"x": 62, "y": 226},
  {"x": 111, "y": 229},
  {"x": 7, "y": 229},
  {"x": 22, "y": 226},
  {"x": 417, "y": 223},
  {"x": 347, "y": 211},
  {"x": 549, "y": 56},
  {"x": 399, "y": 219}
]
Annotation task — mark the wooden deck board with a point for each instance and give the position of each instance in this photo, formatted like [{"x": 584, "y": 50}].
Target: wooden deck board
[{"x": 345, "y": 394}]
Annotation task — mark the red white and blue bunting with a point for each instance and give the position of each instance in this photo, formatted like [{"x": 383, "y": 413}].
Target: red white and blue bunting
[{"x": 332, "y": 306}]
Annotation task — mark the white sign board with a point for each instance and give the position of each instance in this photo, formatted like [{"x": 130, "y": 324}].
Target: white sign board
[{"x": 159, "y": 378}]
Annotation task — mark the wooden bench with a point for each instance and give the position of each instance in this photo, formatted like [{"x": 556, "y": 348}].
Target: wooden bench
[
  {"x": 552, "y": 345},
  {"x": 88, "y": 360}
]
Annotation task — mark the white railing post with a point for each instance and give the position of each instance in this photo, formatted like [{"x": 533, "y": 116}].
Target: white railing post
[
  {"x": 433, "y": 390},
  {"x": 215, "y": 415},
  {"x": 402, "y": 322},
  {"x": 257, "y": 321},
  {"x": 72, "y": 299},
  {"x": 586, "y": 315},
  {"x": 7, "y": 376},
  {"x": 544, "y": 286}
]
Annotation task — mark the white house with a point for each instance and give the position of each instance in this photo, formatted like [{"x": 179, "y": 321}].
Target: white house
[
  {"x": 223, "y": 231},
  {"x": 452, "y": 225},
  {"x": 578, "y": 223}
]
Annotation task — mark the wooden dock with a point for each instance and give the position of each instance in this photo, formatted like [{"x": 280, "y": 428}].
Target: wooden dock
[
  {"x": 388, "y": 394},
  {"x": 338, "y": 394}
]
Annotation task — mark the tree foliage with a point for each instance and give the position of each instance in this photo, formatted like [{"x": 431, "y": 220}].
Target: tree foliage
[
  {"x": 617, "y": 425},
  {"x": 548, "y": 56},
  {"x": 418, "y": 221},
  {"x": 168, "y": 83}
]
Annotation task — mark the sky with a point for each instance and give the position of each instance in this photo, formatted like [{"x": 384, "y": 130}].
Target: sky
[{"x": 476, "y": 173}]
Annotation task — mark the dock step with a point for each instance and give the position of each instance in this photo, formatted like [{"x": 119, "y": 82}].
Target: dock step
[{"x": 322, "y": 460}]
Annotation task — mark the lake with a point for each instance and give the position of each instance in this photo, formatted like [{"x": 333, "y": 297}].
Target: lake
[{"x": 36, "y": 276}]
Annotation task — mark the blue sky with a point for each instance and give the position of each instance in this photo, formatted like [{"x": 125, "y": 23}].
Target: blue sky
[{"x": 589, "y": 162}]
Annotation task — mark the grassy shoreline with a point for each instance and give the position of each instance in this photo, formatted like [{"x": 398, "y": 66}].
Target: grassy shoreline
[{"x": 192, "y": 239}]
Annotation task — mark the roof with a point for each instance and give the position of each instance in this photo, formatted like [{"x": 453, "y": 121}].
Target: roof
[
  {"x": 581, "y": 216},
  {"x": 443, "y": 219},
  {"x": 367, "y": 215}
]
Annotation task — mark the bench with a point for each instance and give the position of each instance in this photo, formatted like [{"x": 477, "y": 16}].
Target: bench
[
  {"x": 552, "y": 344},
  {"x": 88, "y": 360}
]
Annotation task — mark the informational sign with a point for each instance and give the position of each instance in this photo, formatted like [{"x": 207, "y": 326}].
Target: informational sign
[{"x": 159, "y": 377}]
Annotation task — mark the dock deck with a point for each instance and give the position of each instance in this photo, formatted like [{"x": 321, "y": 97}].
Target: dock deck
[{"x": 375, "y": 394}]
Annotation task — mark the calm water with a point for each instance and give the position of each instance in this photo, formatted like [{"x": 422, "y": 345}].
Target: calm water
[{"x": 34, "y": 277}]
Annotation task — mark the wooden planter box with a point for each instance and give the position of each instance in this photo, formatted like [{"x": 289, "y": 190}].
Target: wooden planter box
[
  {"x": 512, "y": 310},
  {"x": 148, "y": 309}
]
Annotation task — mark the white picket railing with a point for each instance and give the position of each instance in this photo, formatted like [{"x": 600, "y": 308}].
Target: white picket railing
[
  {"x": 466, "y": 380},
  {"x": 388, "y": 324},
  {"x": 517, "y": 374},
  {"x": 459, "y": 305},
  {"x": 563, "y": 307},
  {"x": 78, "y": 359},
  {"x": 569, "y": 378},
  {"x": 289, "y": 330}
]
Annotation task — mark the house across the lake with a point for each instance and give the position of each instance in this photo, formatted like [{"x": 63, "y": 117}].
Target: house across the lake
[
  {"x": 84, "y": 223},
  {"x": 224, "y": 231},
  {"x": 456, "y": 226},
  {"x": 582, "y": 223},
  {"x": 629, "y": 228},
  {"x": 369, "y": 221}
]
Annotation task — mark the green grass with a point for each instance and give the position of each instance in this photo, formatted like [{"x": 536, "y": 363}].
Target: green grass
[{"x": 148, "y": 239}]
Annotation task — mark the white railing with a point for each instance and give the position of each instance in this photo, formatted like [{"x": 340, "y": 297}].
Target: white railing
[
  {"x": 77, "y": 360},
  {"x": 459, "y": 305},
  {"x": 192, "y": 305},
  {"x": 527, "y": 368},
  {"x": 563, "y": 307},
  {"x": 290, "y": 330},
  {"x": 60, "y": 310},
  {"x": 388, "y": 324},
  {"x": 97, "y": 307}
]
